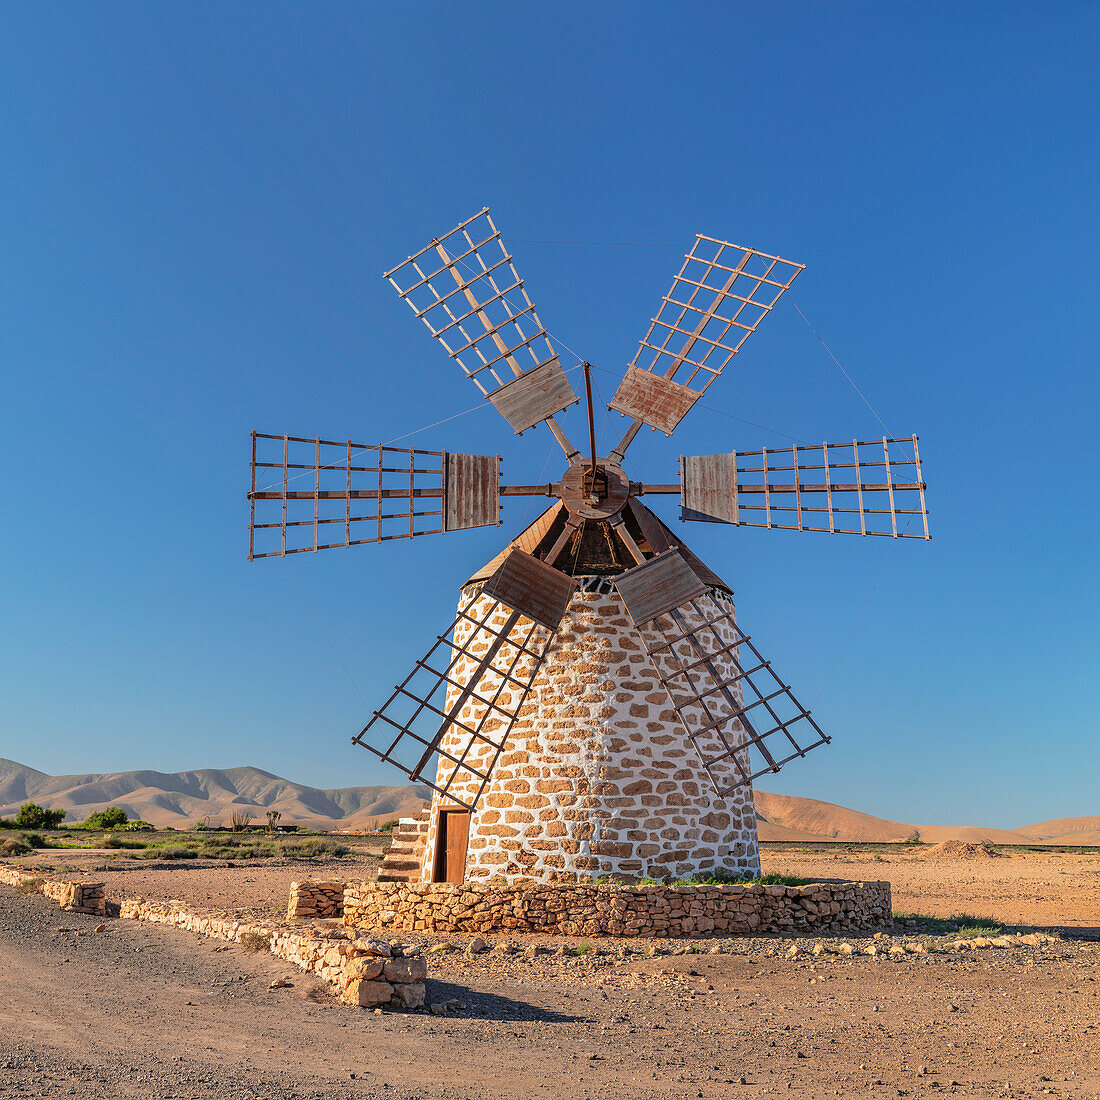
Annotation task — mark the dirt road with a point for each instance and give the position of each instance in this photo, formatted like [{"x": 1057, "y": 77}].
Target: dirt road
[{"x": 139, "y": 1011}]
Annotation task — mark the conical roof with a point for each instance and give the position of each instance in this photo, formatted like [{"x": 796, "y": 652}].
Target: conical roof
[{"x": 597, "y": 549}]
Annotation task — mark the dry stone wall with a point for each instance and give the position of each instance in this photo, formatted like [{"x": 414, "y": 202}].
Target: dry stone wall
[
  {"x": 597, "y": 776},
  {"x": 77, "y": 896},
  {"x": 826, "y": 907},
  {"x": 315, "y": 901},
  {"x": 364, "y": 971}
]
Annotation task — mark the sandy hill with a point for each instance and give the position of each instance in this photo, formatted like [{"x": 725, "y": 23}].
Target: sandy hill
[
  {"x": 179, "y": 798},
  {"x": 1062, "y": 830},
  {"x": 785, "y": 817},
  {"x": 182, "y": 798}
]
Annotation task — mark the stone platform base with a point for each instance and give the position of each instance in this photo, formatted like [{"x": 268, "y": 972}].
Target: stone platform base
[{"x": 565, "y": 909}]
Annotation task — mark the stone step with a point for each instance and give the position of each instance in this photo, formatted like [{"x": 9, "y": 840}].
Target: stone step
[{"x": 402, "y": 865}]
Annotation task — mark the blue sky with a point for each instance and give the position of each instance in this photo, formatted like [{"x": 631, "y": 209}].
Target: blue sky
[{"x": 199, "y": 200}]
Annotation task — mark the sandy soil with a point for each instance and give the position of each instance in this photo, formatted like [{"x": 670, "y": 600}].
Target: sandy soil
[
  {"x": 142, "y": 1011},
  {"x": 1043, "y": 889}
]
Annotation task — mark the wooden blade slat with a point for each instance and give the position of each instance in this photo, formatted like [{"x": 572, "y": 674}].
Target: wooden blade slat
[
  {"x": 531, "y": 587},
  {"x": 719, "y": 297},
  {"x": 728, "y": 488},
  {"x": 311, "y": 484},
  {"x": 465, "y": 288}
]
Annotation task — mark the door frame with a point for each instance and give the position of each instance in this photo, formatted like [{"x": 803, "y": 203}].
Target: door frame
[{"x": 439, "y": 862}]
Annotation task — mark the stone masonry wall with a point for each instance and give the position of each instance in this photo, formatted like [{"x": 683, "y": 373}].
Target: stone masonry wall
[
  {"x": 315, "y": 901},
  {"x": 365, "y": 971},
  {"x": 619, "y": 910},
  {"x": 598, "y": 776},
  {"x": 75, "y": 896}
]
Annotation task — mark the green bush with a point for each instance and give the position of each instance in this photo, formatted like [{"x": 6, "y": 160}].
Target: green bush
[
  {"x": 114, "y": 817},
  {"x": 122, "y": 842},
  {"x": 14, "y": 846},
  {"x": 139, "y": 826},
  {"x": 173, "y": 851},
  {"x": 313, "y": 849},
  {"x": 35, "y": 840},
  {"x": 33, "y": 816}
]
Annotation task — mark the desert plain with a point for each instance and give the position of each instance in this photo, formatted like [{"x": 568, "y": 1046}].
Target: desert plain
[{"x": 92, "y": 1007}]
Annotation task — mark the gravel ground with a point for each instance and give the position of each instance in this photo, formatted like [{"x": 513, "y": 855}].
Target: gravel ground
[{"x": 125, "y": 1009}]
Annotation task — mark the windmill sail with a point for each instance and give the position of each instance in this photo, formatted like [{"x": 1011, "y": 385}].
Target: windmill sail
[
  {"x": 446, "y": 724},
  {"x": 317, "y": 494},
  {"x": 466, "y": 289},
  {"x": 742, "y": 720},
  {"x": 873, "y": 487},
  {"x": 722, "y": 292}
]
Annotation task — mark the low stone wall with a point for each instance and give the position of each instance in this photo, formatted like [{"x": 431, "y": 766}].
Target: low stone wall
[
  {"x": 76, "y": 895},
  {"x": 365, "y": 971},
  {"x": 79, "y": 897},
  {"x": 315, "y": 901},
  {"x": 619, "y": 910}
]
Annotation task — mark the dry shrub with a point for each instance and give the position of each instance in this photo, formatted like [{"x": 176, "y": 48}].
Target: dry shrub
[
  {"x": 29, "y": 886},
  {"x": 255, "y": 941},
  {"x": 240, "y": 820}
]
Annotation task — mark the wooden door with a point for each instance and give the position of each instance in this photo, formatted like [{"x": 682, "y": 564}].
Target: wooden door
[{"x": 450, "y": 845}]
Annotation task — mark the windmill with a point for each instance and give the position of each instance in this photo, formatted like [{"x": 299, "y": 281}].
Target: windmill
[{"x": 594, "y": 706}]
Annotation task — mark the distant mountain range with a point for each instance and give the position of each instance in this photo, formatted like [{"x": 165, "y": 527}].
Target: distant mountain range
[
  {"x": 213, "y": 794},
  {"x": 210, "y": 794}
]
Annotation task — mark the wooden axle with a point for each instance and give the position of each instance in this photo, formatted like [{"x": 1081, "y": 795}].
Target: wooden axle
[
  {"x": 675, "y": 490},
  {"x": 392, "y": 494}
]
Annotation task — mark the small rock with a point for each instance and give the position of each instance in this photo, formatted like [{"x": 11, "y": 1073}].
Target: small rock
[
  {"x": 280, "y": 983},
  {"x": 476, "y": 946}
]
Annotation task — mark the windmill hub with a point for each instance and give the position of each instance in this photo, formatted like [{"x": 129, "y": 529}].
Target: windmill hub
[{"x": 594, "y": 494}]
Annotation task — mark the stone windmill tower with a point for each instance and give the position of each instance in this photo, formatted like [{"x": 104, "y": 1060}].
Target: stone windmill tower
[{"x": 594, "y": 707}]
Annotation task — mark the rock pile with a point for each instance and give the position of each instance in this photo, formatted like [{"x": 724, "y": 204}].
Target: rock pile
[{"x": 574, "y": 910}]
